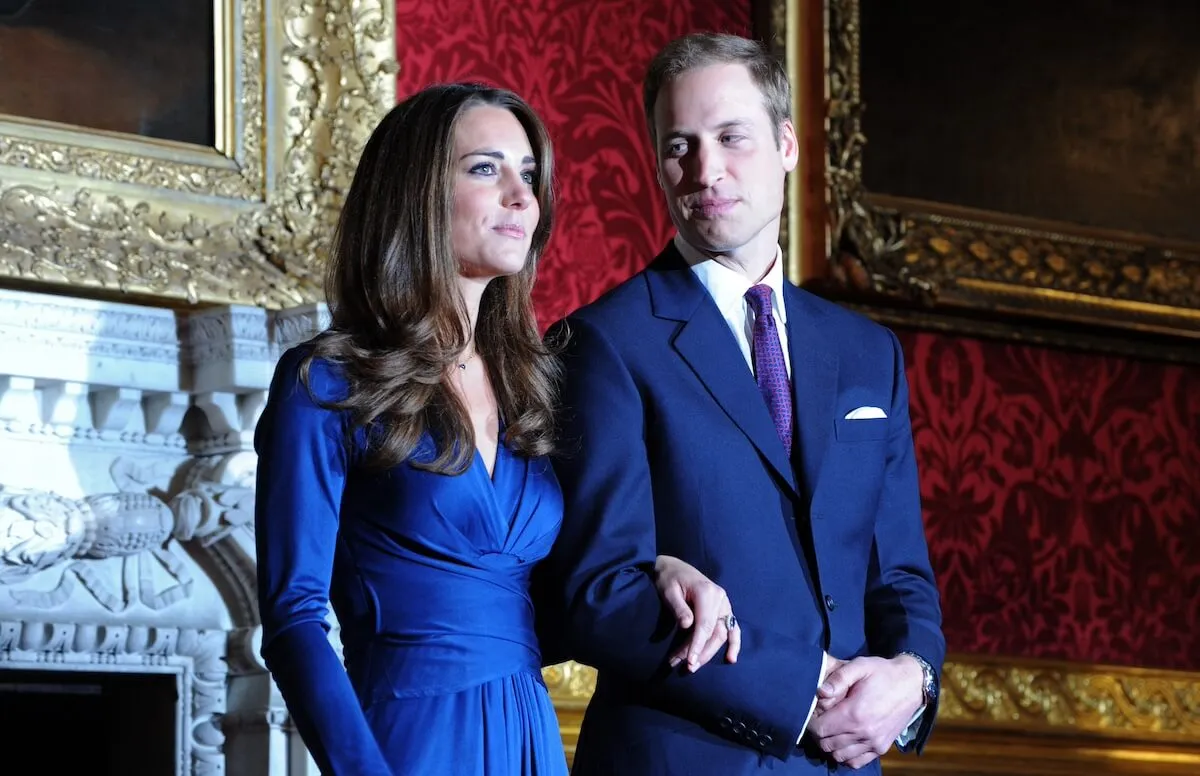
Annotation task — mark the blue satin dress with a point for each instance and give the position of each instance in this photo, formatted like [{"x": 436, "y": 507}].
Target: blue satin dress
[{"x": 429, "y": 576}]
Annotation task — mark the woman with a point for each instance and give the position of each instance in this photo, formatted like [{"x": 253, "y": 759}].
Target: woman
[{"x": 402, "y": 471}]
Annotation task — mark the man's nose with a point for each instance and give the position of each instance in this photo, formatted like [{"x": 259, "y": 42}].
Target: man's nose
[{"x": 708, "y": 165}]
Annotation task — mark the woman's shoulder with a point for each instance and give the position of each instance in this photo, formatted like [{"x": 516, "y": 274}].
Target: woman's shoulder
[{"x": 326, "y": 379}]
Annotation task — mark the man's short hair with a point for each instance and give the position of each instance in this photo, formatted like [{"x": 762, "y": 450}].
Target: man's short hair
[{"x": 704, "y": 49}]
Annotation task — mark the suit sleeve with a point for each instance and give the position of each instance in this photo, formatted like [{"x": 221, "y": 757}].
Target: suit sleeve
[
  {"x": 301, "y": 475},
  {"x": 605, "y": 556},
  {"x": 549, "y": 616},
  {"x": 903, "y": 612}
]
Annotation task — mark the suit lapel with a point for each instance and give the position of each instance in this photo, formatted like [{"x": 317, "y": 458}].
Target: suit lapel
[
  {"x": 705, "y": 342},
  {"x": 814, "y": 384}
]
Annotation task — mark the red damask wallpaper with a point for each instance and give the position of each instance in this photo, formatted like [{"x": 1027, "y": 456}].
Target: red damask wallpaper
[
  {"x": 580, "y": 64},
  {"x": 1062, "y": 500},
  {"x": 1062, "y": 490}
]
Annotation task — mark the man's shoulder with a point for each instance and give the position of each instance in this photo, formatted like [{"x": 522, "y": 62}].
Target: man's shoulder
[
  {"x": 627, "y": 297},
  {"x": 636, "y": 302},
  {"x": 624, "y": 306},
  {"x": 838, "y": 320},
  {"x": 619, "y": 322}
]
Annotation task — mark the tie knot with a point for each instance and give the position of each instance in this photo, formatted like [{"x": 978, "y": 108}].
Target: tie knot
[{"x": 759, "y": 299}]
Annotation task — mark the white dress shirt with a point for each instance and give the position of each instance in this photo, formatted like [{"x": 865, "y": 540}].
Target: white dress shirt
[{"x": 728, "y": 289}]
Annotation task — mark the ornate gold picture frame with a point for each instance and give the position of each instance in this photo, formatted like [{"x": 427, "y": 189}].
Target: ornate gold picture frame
[
  {"x": 299, "y": 85},
  {"x": 942, "y": 265}
]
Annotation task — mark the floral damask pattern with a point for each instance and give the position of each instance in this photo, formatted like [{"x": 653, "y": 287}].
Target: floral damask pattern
[
  {"x": 580, "y": 64},
  {"x": 1062, "y": 500}
]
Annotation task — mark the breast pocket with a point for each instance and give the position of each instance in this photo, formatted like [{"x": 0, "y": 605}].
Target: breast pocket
[{"x": 865, "y": 430}]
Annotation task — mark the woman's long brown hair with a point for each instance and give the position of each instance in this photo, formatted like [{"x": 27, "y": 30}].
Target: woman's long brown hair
[{"x": 398, "y": 321}]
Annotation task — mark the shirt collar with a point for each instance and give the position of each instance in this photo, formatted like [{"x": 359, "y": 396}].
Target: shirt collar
[{"x": 727, "y": 287}]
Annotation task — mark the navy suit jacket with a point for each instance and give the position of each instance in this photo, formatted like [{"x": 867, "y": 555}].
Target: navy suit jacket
[{"x": 666, "y": 446}]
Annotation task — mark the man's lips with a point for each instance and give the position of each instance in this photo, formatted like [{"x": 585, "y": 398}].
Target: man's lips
[{"x": 712, "y": 208}]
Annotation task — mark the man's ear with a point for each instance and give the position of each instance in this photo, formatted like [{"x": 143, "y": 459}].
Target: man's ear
[{"x": 789, "y": 145}]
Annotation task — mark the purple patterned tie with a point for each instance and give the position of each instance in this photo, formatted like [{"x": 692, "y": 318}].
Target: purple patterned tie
[{"x": 769, "y": 367}]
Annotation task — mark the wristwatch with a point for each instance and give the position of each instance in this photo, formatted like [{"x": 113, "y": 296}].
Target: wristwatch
[{"x": 929, "y": 683}]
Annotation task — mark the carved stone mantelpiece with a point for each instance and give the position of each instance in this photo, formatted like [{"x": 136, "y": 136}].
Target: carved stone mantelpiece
[
  {"x": 196, "y": 657},
  {"x": 126, "y": 506},
  {"x": 126, "y": 461},
  {"x": 137, "y": 537}
]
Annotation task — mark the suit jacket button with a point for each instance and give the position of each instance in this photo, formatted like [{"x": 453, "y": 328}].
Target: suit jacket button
[
  {"x": 830, "y": 604},
  {"x": 765, "y": 740},
  {"x": 739, "y": 729},
  {"x": 726, "y": 722}
]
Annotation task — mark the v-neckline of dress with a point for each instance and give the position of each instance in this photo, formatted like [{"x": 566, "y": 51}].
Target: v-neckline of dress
[{"x": 490, "y": 475}]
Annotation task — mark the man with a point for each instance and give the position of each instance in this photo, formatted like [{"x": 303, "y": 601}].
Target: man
[{"x": 715, "y": 412}]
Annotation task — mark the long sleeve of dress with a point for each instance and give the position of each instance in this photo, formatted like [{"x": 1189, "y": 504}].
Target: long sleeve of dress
[{"x": 302, "y": 468}]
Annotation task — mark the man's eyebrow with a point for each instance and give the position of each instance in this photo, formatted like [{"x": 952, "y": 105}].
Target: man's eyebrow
[{"x": 729, "y": 124}]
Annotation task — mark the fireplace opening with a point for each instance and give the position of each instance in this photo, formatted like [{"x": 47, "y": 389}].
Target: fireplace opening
[{"x": 84, "y": 722}]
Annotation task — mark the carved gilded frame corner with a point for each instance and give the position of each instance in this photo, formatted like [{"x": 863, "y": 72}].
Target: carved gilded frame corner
[
  {"x": 1049, "y": 717},
  {"x": 299, "y": 86},
  {"x": 943, "y": 266}
]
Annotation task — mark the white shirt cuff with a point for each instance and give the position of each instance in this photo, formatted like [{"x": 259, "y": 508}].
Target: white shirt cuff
[
  {"x": 813, "y": 707},
  {"x": 910, "y": 732}
]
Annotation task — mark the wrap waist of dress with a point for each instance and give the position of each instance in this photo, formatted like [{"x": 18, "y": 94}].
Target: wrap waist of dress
[{"x": 432, "y": 639}]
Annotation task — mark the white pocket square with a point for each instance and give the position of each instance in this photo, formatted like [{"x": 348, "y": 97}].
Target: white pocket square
[{"x": 865, "y": 413}]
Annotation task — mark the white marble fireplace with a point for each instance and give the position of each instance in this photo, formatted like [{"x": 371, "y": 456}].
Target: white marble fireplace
[{"x": 126, "y": 543}]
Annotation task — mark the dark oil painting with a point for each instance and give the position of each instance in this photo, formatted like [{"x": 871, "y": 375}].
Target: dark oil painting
[
  {"x": 142, "y": 67},
  {"x": 1077, "y": 111}
]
